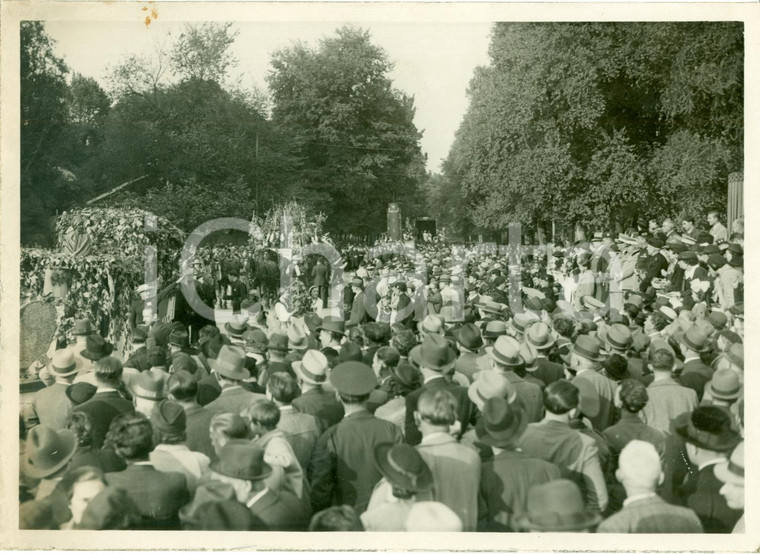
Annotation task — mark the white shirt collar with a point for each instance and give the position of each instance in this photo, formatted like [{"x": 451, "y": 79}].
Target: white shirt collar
[
  {"x": 432, "y": 437},
  {"x": 106, "y": 389},
  {"x": 637, "y": 497},
  {"x": 712, "y": 462},
  {"x": 255, "y": 498}
]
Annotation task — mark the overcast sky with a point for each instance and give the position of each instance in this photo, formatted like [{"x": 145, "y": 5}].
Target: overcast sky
[{"x": 434, "y": 61}]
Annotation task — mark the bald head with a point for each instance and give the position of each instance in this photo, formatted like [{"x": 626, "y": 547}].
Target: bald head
[{"x": 639, "y": 466}]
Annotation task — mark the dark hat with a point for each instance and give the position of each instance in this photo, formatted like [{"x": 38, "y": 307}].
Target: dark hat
[
  {"x": 357, "y": 282},
  {"x": 688, "y": 256},
  {"x": 736, "y": 261},
  {"x": 730, "y": 336},
  {"x": 737, "y": 309},
  {"x": 695, "y": 339},
  {"x": 468, "y": 335},
  {"x": 534, "y": 303},
  {"x": 226, "y": 515},
  {"x": 333, "y": 325},
  {"x": 403, "y": 466},
  {"x": 230, "y": 363},
  {"x": 169, "y": 417},
  {"x": 716, "y": 261},
  {"x": 353, "y": 378},
  {"x": 677, "y": 247},
  {"x": 434, "y": 353},
  {"x": 735, "y": 248},
  {"x": 400, "y": 285},
  {"x": 616, "y": 367},
  {"x": 588, "y": 347},
  {"x": 240, "y": 459},
  {"x": 312, "y": 321},
  {"x": 161, "y": 332},
  {"x": 182, "y": 361},
  {"x": 83, "y": 327},
  {"x": 236, "y": 328},
  {"x": 502, "y": 423},
  {"x": 179, "y": 338},
  {"x": 148, "y": 386},
  {"x": 139, "y": 334},
  {"x": 407, "y": 375},
  {"x": 656, "y": 241},
  {"x": 64, "y": 363},
  {"x": 97, "y": 347},
  {"x": 156, "y": 356},
  {"x": 709, "y": 427},
  {"x": 350, "y": 352},
  {"x": 79, "y": 393},
  {"x": 703, "y": 237},
  {"x": 278, "y": 342},
  {"x": 708, "y": 250},
  {"x": 557, "y": 506},
  {"x": 47, "y": 451}
]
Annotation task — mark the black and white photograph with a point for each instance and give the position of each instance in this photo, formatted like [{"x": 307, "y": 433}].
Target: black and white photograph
[{"x": 469, "y": 276}]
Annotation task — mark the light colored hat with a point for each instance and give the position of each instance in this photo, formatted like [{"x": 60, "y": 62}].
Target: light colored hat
[
  {"x": 491, "y": 384},
  {"x": 312, "y": 368}
]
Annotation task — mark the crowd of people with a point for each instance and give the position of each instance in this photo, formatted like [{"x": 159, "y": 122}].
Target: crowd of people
[{"x": 595, "y": 388}]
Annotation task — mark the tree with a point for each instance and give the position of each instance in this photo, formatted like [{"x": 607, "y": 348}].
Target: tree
[
  {"x": 355, "y": 132},
  {"x": 601, "y": 124},
  {"x": 202, "y": 52},
  {"x": 44, "y": 187}
]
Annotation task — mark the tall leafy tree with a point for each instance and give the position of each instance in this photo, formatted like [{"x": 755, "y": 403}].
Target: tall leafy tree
[{"x": 355, "y": 131}]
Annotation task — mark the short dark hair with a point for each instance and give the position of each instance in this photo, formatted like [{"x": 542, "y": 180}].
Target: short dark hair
[
  {"x": 109, "y": 370},
  {"x": 80, "y": 424},
  {"x": 659, "y": 320},
  {"x": 207, "y": 332},
  {"x": 662, "y": 360},
  {"x": 182, "y": 386},
  {"x": 374, "y": 333},
  {"x": 632, "y": 310},
  {"x": 131, "y": 434},
  {"x": 388, "y": 355},
  {"x": 336, "y": 518},
  {"x": 633, "y": 395},
  {"x": 437, "y": 406},
  {"x": 561, "y": 397},
  {"x": 283, "y": 387},
  {"x": 564, "y": 326},
  {"x": 404, "y": 341},
  {"x": 264, "y": 412}
]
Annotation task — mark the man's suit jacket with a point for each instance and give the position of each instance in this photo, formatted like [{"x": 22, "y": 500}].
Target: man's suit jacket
[
  {"x": 281, "y": 511},
  {"x": 466, "y": 411},
  {"x": 198, "y": 430},
  {"x": 651, "y": 515},
  {"x": 301, "y": 431},
  {"x": 157, "y": 495},
  {"x": 606, "y": 391},
  {"x": 667, "y": 400},
  {"x": 695, "y": 376},
  {"x": 322, "y": 405},
  {"x": 456, "y": 475},
  {"x": 467, "y": 364},
  {"x": 50, "y": 407},
  {"x": 654, "y": 266},
  {"x": 342, "y": 468},
  {"x": 575, "y": 453},
  {"x": 102, "y": 408},
  {"x": 529, "y": 394},
  {"x": 359, "y": 315},
  {"x": 233, "y": 399},
  {"x": 548, "y": 371},
  {"x": 320, "y": 275},
  {"x": 504, "y": 484},
  {"x": 702, "y": 494},
  {"x": 139, "y": 359}
]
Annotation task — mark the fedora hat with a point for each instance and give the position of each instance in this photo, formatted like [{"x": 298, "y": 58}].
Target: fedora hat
[
  {"x": 506, "y": 351},
  {"x": 169, "y": 417},
  {"x": 430, "y": 325},
  {"x": 735, "y": 354},
  {"x": 96, "y": 347},
  {"x": 669, "y": 313},
  {"x": 333, "y": 325},
  {"x": 591, "y": 303},
  {"x": 434, "y": 353},
  {"x": 403, "y": 466},
  {"x": 230, "y": 363},
  {"x": 494, "y": 328},
  {"x": 81, "y": 392},
  {"x": 538, "y": 336},
  {"x": 407, "y": 375},
  {"x": 529, "y": 354},
  {"x": 619, "y": 337},
  {"x": 724, "y": 385},
  {"x": 148, "y": 386},
  {"x": 709, "y": 427},
  {"x": 588, "y": 347},
  {"x": 353, "y": 378},
  {"x": 278, "y": 342},
  {"x": 502, "y": 424},
  {"x": 732, "y": 470},
  {"x": 64, "y": 363},
  {"x": 240, "y": 459},
  {"x": 718, "y": 320},
  {"x": 520, "y": 322},
  {"x": 496, "y": 308},
  {"x": 655, "y": 241},
  {"x": 695, "y": 339},
  {"x": 491, "y": 384},
  {"x": 47, "y": 451},
  {"x": 557, "y": 506},
  {"x": 179, "y": 338},
  {"x": 534, "y": 303},
  {"x": 83, "y": 327},
  {"x": 312, "y": 368},
  {"x": 635, "y": 300},
  {"x": 468, "y": 335},
  {"x": 236, "y": 327},
  {"x": 357, "y": 282},
  {"x": 297, "y": 339}
]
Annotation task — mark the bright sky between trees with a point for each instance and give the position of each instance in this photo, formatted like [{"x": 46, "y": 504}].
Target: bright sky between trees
[{"x": 434, "y": 61}]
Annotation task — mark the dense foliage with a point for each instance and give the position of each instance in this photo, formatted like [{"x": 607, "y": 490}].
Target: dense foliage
[{"x": 600, "y": 125}]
